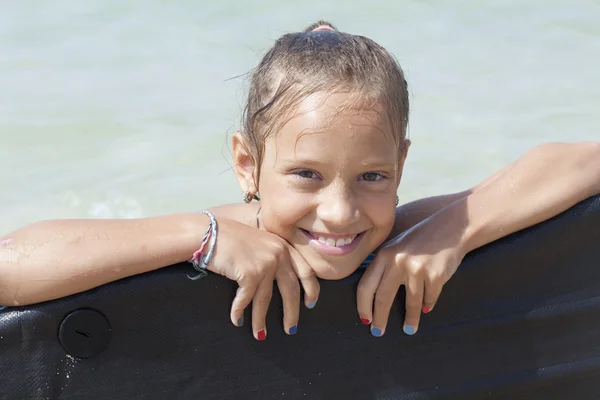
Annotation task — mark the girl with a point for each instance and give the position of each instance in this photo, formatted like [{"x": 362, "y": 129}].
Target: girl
[{"x": 324, "y": 142}]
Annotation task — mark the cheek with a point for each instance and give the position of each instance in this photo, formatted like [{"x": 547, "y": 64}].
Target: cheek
[
  {"x": 382, "y": 213},
  {"x": 281, "y": 212}
]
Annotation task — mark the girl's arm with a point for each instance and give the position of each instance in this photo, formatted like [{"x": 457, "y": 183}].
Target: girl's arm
[
  {"x": 546, "y": 181},
  {"x": 410, "y": 214},
  {"x": 53, "y": 259}
]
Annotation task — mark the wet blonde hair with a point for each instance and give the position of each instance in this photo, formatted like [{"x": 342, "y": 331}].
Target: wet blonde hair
[{"x": 324, "y": 61}]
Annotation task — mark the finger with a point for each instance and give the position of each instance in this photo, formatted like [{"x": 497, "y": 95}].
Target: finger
[
  {"x": 243, "y": 297},
  {"x": 367, "y": 287},
  {"x": 288, "y": 285},
  {"x": 260, "y": 306},
  {"x": 414, "y": 303},
  {"x": 307, "y": 278},
  {"x": 384, "y": 298},
  {"x": 433, "y": 289}
]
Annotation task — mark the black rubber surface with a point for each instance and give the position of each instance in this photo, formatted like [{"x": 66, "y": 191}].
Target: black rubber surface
[{"x": 520, "y": 320}]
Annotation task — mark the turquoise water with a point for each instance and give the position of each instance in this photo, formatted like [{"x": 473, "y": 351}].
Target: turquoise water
[{"x": 123, "y": 108}]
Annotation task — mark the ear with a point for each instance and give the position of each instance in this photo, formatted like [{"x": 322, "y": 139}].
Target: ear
[
  {"x": 244, "y": 163},
  {"x": 402, "y": 159}
]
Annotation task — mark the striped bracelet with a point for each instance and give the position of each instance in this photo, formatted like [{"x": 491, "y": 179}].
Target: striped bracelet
[{"x": 199, "y": 260}]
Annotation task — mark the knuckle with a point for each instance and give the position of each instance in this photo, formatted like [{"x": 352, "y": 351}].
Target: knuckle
[
  {"x": 413, "y": 305},
  {"x": 293, "y": 289},
  {"x": 239, "y": 303},
  {"x": 278, "y": 248},
  {"x": 248, "y": 275},
  {"x": 363, "y": 289},
  {"x": 267, "y": 267},
  {"x": 259, "y": 272},
  {"x": 449, "y": 271},
  {"x": 415, "y": 266},
  {"x": 436, "y": 278},
  {"x": 399, "y": 259},
  {"x": 381, "y": 300},
  {"x": 272, "y": 260},
  {"x": 264, "y": 300},
  {"x": 309, "y": 277}
]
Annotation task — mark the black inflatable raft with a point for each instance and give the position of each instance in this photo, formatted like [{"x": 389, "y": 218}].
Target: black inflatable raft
[{"x": 519, "y": 320}]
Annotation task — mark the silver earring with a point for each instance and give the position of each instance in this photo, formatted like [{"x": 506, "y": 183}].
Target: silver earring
[
  {"x": 397, "y": 200},
  {"x": 247, "y": 197}
]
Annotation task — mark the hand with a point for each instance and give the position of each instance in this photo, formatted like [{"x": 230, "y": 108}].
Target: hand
[
  {"x": 254, "y": 258},
  {"x": 423, "y": 259}
]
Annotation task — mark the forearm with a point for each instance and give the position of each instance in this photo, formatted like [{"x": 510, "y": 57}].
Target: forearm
[
  {"x": 240, "y": 212},
  {"x": 410, "y": 214},
  {"x": 546, "y": 181},
  {"x": 53, "y": 259}
]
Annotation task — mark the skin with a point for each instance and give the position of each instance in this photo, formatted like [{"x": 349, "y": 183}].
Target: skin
[
  {"x": 311, "y": 189},
  {"x": 56, "y": 258},
  {"x": 544, "y": 182},
  {"x": 430, "y": 236},
  {"x": 307, "y": 184}
]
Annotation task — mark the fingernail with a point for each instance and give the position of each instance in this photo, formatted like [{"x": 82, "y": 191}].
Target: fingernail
[
  {"x": 426, "y": 309},
  {"x": 312, "y": 304},
  {"x": 409, "y": 330},
  {"x": 375, "y": 331},
  {"x": 365, "y": 321},
  {"x": 240, "y": 321},
  {"x": 262, "y": 335},
  {"x": 293, "y": 330}
]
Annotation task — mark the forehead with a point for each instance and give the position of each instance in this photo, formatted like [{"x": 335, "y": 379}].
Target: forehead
[{"x": 334, "y": 122}]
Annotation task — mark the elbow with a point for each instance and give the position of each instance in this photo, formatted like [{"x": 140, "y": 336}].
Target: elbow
[
  {"x": 6, "y": 298},
  {"x": 5, "y": 275},
  {"x": 587, "y": 164},
  {"x": 9, "y": 273},
  {"x": 584, "y": 161},
  {"x": 594, "y": 161},
  {"x": 6, "y": 282}
]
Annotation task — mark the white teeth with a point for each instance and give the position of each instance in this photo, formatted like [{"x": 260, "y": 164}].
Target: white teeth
[{"x": 337, "y": 243}]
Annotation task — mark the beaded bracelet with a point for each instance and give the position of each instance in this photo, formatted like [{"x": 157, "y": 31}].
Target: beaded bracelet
[{"x": 199, "y": 260}]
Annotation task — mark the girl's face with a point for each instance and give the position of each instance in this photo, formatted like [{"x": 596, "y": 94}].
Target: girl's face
[{"x": 328, "y": 184}]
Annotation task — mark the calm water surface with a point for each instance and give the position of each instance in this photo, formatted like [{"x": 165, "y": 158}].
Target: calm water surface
[{"x": 124, "y": 108}]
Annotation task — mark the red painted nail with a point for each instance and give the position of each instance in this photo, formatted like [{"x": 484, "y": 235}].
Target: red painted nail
[
  {"x": 262, "y": 335},
  {"x": 426, "y": 309},
  {"x": 365, "y": 321}
]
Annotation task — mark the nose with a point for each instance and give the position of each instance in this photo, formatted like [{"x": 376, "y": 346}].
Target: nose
[{"x": 338, "y": 207}]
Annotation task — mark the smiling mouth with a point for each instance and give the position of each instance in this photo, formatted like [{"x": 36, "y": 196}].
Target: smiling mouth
[{"x": 333, "y": 244}]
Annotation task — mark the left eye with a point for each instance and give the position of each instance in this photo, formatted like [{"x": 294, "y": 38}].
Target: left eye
[{"x": 371, "y": 177}]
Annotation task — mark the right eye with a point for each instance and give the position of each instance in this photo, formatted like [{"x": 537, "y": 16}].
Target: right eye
[{"x": 306, "y": 174}]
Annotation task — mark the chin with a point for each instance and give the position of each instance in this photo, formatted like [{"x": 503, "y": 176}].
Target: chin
[{"x": 331, "y": 273}]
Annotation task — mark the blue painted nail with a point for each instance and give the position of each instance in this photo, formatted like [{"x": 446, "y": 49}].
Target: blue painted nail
[
  {"x": 293, "y": 330},
  {"x": 409, "y": 330},
  {"x": 312, "y": 304},
  {"x": 375, "y": 331},
  {"x": 240, "y": 321}
]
